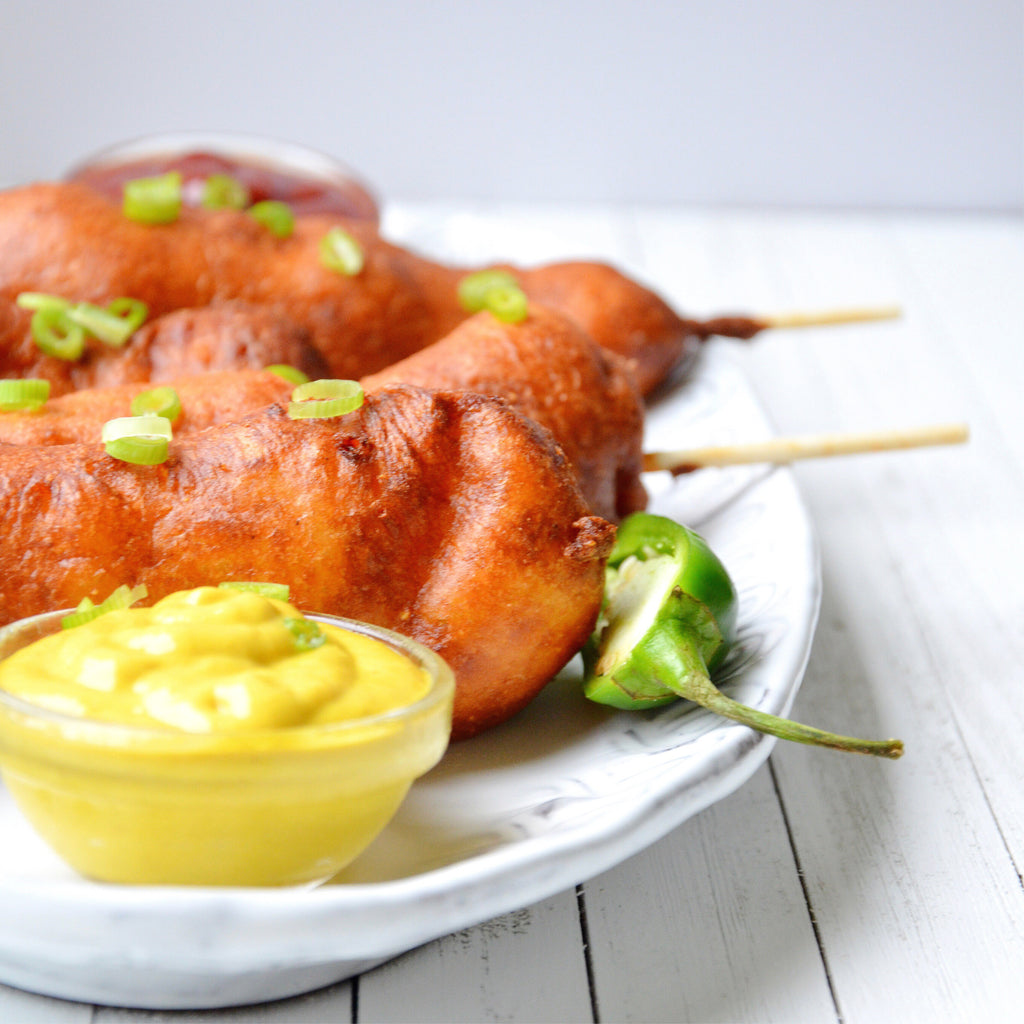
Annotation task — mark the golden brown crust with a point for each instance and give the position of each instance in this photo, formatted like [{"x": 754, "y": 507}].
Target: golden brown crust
[
  {"x": 449, "y": 517},
  {"x": 206, "y": 399},
  {"x": 66, "y": 240},
  {"x": 548, "y": 369},
  {"x": 545, "y": 367},
  {"x": 178, "y": 344},
  {"x": 618, "y": 313},
  {"x": 233, "y": 336}
]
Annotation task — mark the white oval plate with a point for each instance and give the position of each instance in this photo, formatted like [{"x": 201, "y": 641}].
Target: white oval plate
[{"x": 564, "y": 791}]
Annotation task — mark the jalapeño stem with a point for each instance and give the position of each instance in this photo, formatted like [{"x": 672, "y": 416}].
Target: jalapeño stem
[
  {"x": 696, "y": 685},
  {"x": 705, "y": 693}
]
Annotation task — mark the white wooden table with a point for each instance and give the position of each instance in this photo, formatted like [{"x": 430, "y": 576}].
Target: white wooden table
[{"x": 829, "y": 887}]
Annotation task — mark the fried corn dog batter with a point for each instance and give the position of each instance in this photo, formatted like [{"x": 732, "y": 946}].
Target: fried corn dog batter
[
  {"x": 545, "y": 367},
  {"x": 182, "y": 343},
  {"x": 448, "y": 517},
  {"x": 64, "y": 239},
  {"x": 549, "y": 370},
  {"x": 220, "y": 396}
]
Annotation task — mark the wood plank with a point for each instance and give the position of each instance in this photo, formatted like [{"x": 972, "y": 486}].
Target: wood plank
[
  {"x": 17, "y": 1007},
  {"x": 709, "y": 924},
  {"x": 906, "y": 868},
  {"x": 527, "y": 966},
  {"x": 966, "y": 276},
  {"x": 940, "y": 365},
  {"x": 918, "y": 901}
]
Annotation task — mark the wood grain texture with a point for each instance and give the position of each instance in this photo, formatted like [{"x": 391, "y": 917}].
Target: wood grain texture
[
  {"x": 710, "y": 924},
  {"x": 913, "y": 873},
  {"x": 526, "y": 965}
]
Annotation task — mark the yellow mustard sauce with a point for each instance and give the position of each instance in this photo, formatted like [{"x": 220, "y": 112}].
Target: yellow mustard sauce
[
  {"x": 207, "y": 740},
  {"x": 211, "y": 660}
]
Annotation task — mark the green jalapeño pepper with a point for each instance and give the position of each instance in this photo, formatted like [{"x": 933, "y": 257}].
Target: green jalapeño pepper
[{"x": 668, "y": 620}]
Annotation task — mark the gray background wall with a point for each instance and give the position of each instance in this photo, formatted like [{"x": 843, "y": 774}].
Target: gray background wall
[{"x": 905, "y": 103}]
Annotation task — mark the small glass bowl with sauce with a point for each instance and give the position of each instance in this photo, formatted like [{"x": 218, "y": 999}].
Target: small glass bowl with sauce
[
  {"x": 307, "y": 180},
  {"x": 158, "y": 806}
]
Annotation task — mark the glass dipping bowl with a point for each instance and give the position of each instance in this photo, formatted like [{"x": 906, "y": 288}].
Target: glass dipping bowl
[
  {"x": 307, "y": 180},
  {"x": 159, "y": 806}
]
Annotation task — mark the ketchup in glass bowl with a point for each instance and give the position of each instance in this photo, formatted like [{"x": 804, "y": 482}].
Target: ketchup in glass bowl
[{"x": 307, "y": 180}]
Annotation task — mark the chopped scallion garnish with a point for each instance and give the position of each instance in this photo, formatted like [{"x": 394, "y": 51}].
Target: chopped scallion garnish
[
  {"x": 306, "y": 633},
  {"x": 508, "y": 304},
  {"x": 274, "y": 591},
  {"x": 474, "y": 288},
  {"x": 141, "y": 440},
  {"x": 223, "y": 192},
  {"x": 340, "y": 252},
  {"x": 275, "y": 216},
  {"x": 291, "y": 373},
  {"x": 60, "y": 327},
  {"x": 161, "y": 401},
  {"x": 40, "y": 300},
  {"x": 132, "y": 311},
  {"x": 56, "y": 335},
  {"x": 322, "y": 399},
  {"x": 100, "y": 323},
  {"x": 123, "y": 597},
  {"x": 155, "y": 200},
  {"x": 25, "y": 395}
]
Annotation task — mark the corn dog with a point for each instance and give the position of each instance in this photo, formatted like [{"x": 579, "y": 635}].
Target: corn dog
[
  {"x": 182, "y": 343},
  {"x": 545, "y": 367},
  {"x": 64, "y": 239},
  {"x": 550, "y": 371},
  {"x": 448, "y": 517},
  {"x": 220, "y": 396}
]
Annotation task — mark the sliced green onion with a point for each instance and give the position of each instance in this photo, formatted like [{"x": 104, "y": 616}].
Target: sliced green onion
[
  {"x": 56, "y": 335},
  {"x": 322, "y": 399},
  {"x": 162, "y": 401},
  {"x": 340, "y": 252},
  {"x": 139, "y": 451},
  {"x": 145, "y": 424},
  {"x": 306, "y": 633},
  {"x": 155, "y": 200},
  {"x": 83, "y": 606},
  {"x": 132, "y": 311},
  {"x": 223, "y": 192},
  {"x": 508, "y": 304},
  {"x": 473, "y": 288},
  {"x": 24, "y": 395},
  {"x": 141, "y": 440},
  {"x": 60, "y": 328},
  {"x": 123, "y": 597},
  {"x": 40, "y": 300},
  {"x": 274, "y": 215},
  {"x": 274, "y": 591},
  {"x": 100, "y": 323},
  {"x": 292, "y": 373}
]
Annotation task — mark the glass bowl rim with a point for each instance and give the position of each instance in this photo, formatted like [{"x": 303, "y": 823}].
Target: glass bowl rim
[{"x": 270, "y": 151}]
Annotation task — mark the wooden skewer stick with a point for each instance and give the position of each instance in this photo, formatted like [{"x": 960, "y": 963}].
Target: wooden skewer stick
[
  {"x": 825, "y": 317},
  {"x": 745, "y": 326},
  {"x": 783, "y": 450}
]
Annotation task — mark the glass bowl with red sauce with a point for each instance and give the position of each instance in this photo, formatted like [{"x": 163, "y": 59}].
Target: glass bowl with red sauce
[{"x": 307, "y": 180}]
